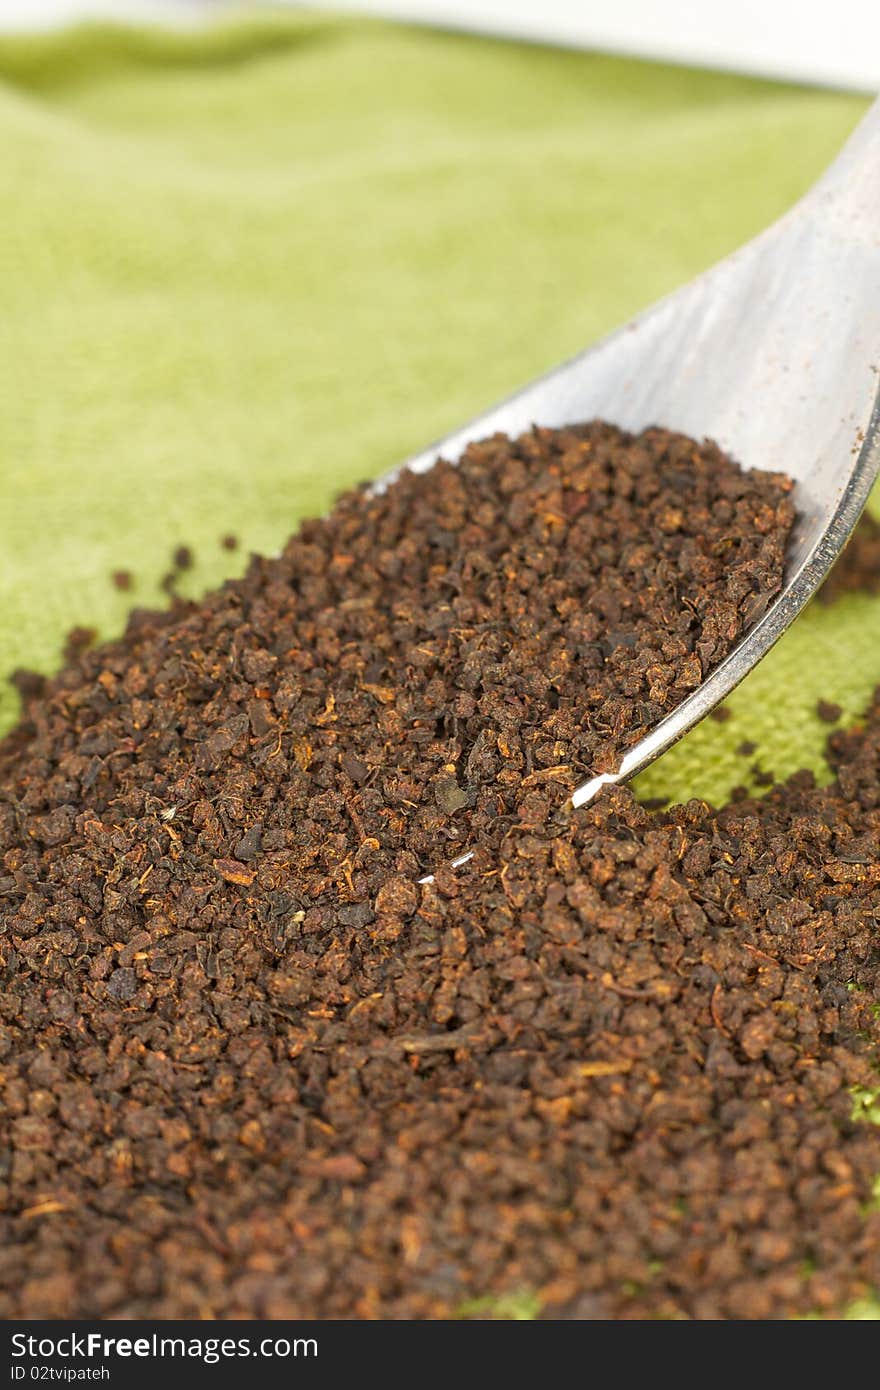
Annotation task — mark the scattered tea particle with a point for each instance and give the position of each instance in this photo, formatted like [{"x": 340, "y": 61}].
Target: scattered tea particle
[
  {"x": 183, "y": 558},
  {"x": 398, "y": 895},
  {"x": 828, "y": 712},
  {"x": 338, "y": 1167},
  {"x": 721, "y": 714},
  {"x": 354, "y": 768},
  {"x": 78, "y": 641},
  {"x": 250, "y": 844},
  {"x": 386, "y": 694},
  {"x": 755, "y": 608},
  {"x": 761, "y": 777},
  {"x": 253, "y": 1137},
  {"x": 450, "y": 797},
  {"x": 122, "y": 580},
  {"x": 229, "y": 542},
  {"x": 234, "y": 872},
  {"x": 122, "y": 984},
  {"x": 29, "y": 684},
  {"x": 746, "y": 748},
  {"x": 604, "y": 1068},
  {"x": 49, "y": 1207}
]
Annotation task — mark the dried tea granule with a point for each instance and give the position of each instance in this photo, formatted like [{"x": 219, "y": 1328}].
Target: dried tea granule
[{"x": 253, "y": 1069}]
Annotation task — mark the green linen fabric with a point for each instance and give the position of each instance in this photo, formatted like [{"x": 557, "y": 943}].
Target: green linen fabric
[{"x": 243, "y": 268}]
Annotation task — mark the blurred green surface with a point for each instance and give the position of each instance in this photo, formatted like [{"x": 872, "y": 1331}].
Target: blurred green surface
[{"x": 244, "y": 268}]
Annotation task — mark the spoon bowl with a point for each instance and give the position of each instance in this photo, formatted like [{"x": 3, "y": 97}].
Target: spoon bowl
[{"x": 775, "y": 354}]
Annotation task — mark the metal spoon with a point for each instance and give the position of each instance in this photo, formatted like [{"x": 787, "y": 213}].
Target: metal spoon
[{"x": 775, "y": 354}]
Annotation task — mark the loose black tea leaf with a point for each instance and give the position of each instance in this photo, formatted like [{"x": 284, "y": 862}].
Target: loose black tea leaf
[{"x": 622, "y": 1061}]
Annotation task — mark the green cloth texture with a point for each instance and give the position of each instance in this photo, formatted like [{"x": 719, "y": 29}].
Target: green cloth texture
[{"x": 243, "y": 268}]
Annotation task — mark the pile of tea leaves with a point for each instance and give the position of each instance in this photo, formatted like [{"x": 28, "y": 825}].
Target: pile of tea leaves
[{"x": 620, "y": 1064}]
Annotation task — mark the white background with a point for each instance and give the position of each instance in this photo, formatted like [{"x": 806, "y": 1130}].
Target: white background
[
  {"x": 46, "y": 14},
  {"x": 827, "y": 41}
]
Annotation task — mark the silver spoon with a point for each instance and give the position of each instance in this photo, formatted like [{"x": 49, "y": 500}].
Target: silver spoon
[{"x": 775, "y": 354}]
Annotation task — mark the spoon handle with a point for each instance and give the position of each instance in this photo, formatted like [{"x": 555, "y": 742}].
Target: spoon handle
[{"x": 848, "y": 193}]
